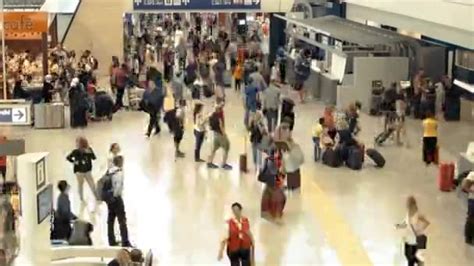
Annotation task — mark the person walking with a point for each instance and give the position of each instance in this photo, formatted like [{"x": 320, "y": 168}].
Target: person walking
[
  {"x": 216, "y": 123},
  {"x": 238, "y": 240},
  {"x": 468, "y": 186},
  {"x": 3, "y": 161},
  {"x": 257, "y": 131},
  {"x": 430, "y": 139},
  {"x": 271, "y": 102},
  {"x": 119, "y": 81},
  {"x": 115, "y": 205},
  {"x": 415, "y": 239},
  {"x": 152, "y": 104},
  {"x": 63, "y": 215},
  {"x": 238, "y": 74},
  {"x": 82, "y": 158},
  {"x": 199, "y": 130}
]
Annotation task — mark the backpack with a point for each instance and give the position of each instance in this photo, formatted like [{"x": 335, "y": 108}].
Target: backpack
[
  {"x": 105, "y": 188},
  {"x": 255, "y": 134}
]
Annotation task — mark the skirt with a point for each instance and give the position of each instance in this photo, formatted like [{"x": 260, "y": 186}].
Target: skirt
[{"x": 273, "y": 202}]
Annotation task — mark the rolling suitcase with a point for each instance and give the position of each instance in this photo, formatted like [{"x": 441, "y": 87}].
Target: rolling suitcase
[
  {"x": 446, "y": 176},
  {"x": 293, "y": 180},
  {"x": 354, "y": 159},
  {"x": 243, "y": 158},
  {"x": 332, "y": 158},
  {"x": 376, "y": 157}
]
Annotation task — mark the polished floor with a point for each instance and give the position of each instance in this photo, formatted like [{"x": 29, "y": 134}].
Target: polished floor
[{"x": 340, "y": 217}]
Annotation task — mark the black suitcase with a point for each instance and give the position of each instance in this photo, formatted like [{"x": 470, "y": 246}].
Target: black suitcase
[
  {"x": 355, "y": 158},
  {"x": 332, "y": 158},
  {"x": 376, "y": 157}
]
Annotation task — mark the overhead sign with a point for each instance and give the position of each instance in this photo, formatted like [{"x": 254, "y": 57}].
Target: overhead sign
[
  {"x": 17, "y": 115},
  {"x": 195, "y": 4}
]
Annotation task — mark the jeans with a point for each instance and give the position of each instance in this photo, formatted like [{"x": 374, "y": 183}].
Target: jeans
[
  {"x": 239, "y": 257},
  {"x": 117, "y": 211},
  {"x": 317, "y": 149},
  {"x": 256, "y": 155},
  {"x": 80, "y": 180},
  {"x": 199, "y": 135},
  {"x": 272, "y": 117},
  {"x": 119, "y": 100},
  {"x": 153, "y": 123}
]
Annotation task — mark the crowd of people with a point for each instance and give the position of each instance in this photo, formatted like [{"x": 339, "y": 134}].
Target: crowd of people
[{"x": 173, "y": 59}]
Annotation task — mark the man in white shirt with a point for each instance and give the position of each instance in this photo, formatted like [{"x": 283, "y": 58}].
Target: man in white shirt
[
  {"x": 115, "y": 206},
  {"x": 468, "y": 186}
]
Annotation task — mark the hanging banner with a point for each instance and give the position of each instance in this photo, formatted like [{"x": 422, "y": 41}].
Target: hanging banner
[{"x": 172, "y": 5}]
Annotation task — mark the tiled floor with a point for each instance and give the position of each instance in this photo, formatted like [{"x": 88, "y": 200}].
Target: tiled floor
[{"x": 178, "y": 208}]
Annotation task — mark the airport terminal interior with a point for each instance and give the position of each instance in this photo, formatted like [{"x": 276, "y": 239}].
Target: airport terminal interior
[{"x": 237, "y": 132}]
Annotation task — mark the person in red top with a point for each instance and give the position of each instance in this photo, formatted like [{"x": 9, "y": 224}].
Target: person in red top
[
  {"x": 3, "y": 160},
  {"x": 238, "y": 239},
  {"x": 120, "y": 79}
]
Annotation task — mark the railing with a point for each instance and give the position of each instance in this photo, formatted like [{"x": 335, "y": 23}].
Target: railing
[{"x": 10, "y": 4}]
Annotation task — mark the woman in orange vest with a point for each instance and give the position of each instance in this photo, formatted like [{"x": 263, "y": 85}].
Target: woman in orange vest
[{"x": 238, "y": 239}]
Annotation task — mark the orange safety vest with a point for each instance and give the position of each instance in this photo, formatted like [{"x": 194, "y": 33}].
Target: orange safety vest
[{"x": 239, "y": 237}]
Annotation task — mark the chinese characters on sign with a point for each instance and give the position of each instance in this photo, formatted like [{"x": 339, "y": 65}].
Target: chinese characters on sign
[{"x": 195, "y": 4}]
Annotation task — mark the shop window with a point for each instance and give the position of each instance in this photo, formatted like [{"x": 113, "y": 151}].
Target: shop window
[{"x": 465, "y": 59}]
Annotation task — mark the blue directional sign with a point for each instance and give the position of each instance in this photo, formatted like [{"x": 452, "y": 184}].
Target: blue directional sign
[
  {"x": 13, "y": 115},
  {"x": 195, "y": 4}
]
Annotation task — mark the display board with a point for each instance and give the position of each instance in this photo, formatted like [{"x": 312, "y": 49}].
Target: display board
[
  {"x": 195, "y": 4},
  {"x": 44, "y": 203}
]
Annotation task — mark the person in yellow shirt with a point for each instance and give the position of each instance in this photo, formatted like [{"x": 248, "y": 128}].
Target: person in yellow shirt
[
  {"x": 317, "y": 133},
  {"x": 430, "y": 139}
]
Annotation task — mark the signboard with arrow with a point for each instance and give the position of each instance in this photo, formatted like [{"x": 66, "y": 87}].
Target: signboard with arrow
[
  {"x": 14, "y": 115},
  {"x": 196, "y": 4}
]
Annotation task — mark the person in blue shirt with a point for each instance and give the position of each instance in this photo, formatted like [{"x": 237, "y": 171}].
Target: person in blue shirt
[
  {"x": 152, "y": 104},
  {"x": 251, "y": 100}
]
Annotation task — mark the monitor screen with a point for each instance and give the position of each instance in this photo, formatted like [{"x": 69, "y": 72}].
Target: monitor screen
[
  {"x": 242, "y": 22},
  {"x": 44, "y": 203}
]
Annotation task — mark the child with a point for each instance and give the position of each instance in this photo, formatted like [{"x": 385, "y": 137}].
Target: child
[
  {"x": 238, "y": 72},
  {"x": 317, "y": 132},
  {"x": 430, "y": 139}
]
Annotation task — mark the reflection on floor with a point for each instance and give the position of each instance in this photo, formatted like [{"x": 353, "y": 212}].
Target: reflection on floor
[{"x": 340, "y": 217}]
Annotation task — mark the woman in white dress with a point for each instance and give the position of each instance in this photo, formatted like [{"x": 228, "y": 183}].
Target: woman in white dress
[{"x": 414, "y": 225}]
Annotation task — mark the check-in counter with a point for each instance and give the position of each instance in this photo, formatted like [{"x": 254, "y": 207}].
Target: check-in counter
[
  {"x": 49, "y": 115},
  {"x": 322, "y": 86},
  {"x": 15, "y": 113}
]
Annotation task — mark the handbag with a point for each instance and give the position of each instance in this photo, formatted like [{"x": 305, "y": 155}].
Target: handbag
[{"x": 421, "y": 240}]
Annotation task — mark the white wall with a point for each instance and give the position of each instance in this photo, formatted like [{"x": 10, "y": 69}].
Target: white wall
[{"x": 442, "y": 19}]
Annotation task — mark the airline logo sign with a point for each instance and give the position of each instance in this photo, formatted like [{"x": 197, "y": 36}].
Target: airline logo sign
[
  {"x": 196, "y": 4},
  {"x": 13, "y": 115}
]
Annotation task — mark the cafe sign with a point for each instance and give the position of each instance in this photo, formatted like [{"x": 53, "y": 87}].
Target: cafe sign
[{"x": 25, "y": 22}]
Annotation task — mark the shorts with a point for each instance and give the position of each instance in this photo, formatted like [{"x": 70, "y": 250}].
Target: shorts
[
  {"x": 299, "y": 85},
  {"x": 220, "y": 141}
]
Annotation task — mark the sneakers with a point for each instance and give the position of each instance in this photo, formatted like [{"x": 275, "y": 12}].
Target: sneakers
[
  {"x": 199, "y": 160},
  {"x": 179, "y": 154},
  {"x": 212, "y": 166},
  {"x": 227, "y": 167}
]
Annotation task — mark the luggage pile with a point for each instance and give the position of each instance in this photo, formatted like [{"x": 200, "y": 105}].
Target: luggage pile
[{"x": 353, "y": 157}]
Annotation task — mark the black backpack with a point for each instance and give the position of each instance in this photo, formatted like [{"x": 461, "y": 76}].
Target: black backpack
[
  {"x": 255, "y": 134},
  {"x": 105, "y": 191}
]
